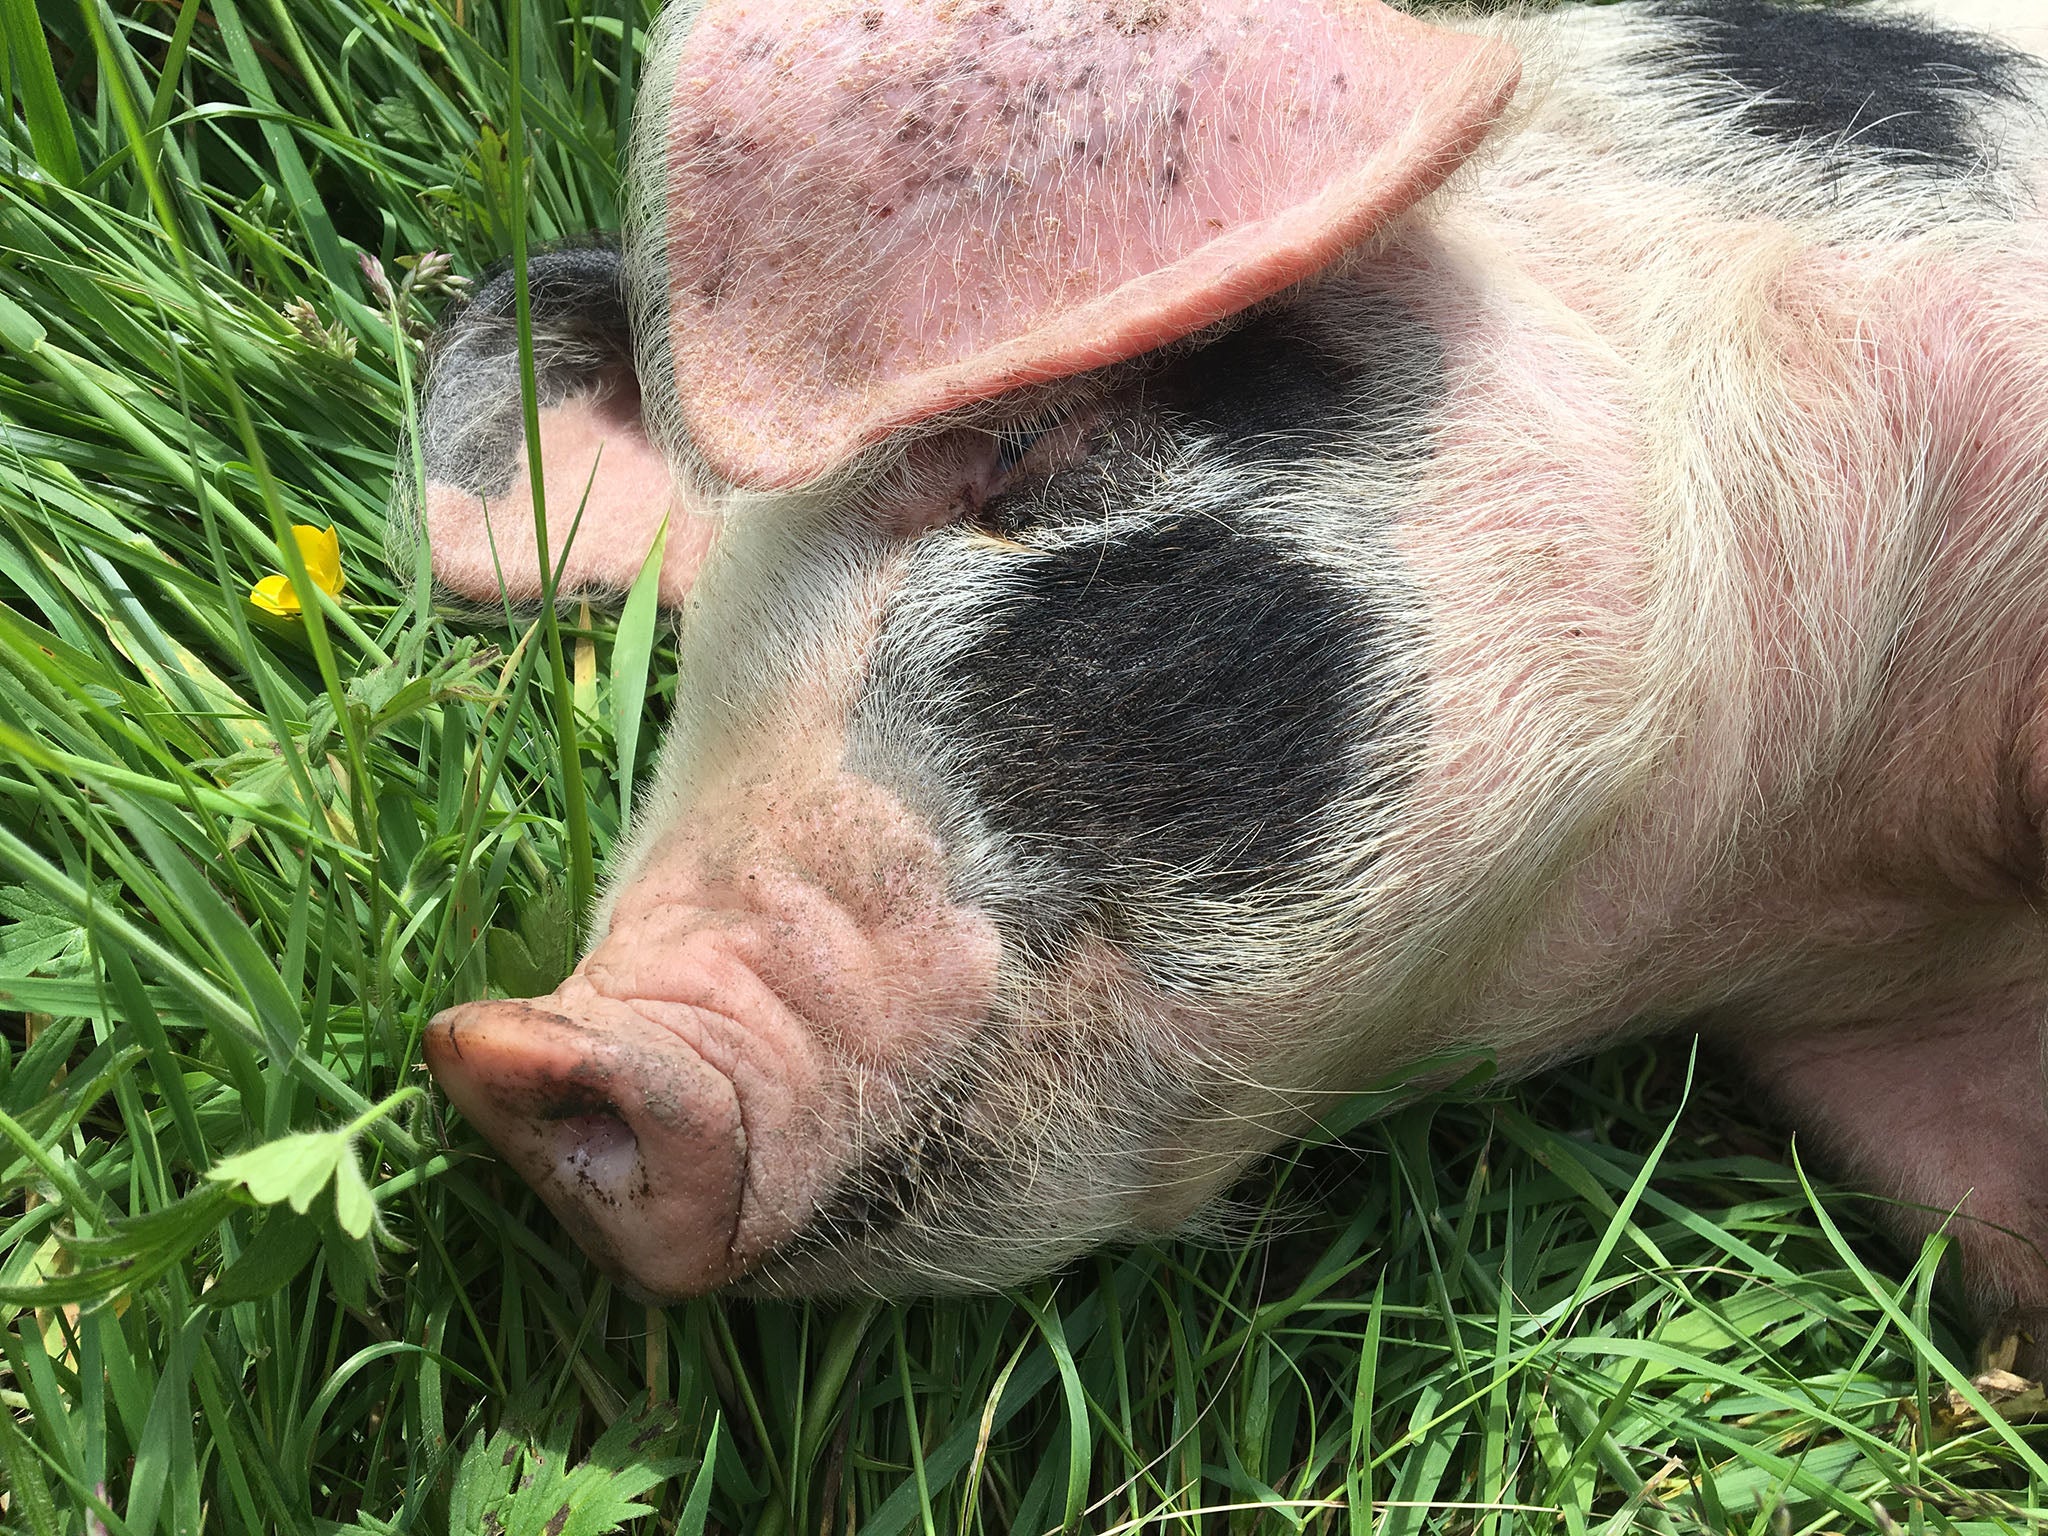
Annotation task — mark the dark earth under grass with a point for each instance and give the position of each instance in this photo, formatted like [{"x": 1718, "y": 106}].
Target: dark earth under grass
[{"x": 244, "y": 858}]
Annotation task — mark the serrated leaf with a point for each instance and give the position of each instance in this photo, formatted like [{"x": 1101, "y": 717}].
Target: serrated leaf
[
  {"x": 131, "y": 1253},
  {"x": 400, "y": 121},
  {"x": 483, "y": 1481},
  {"x": 26, "y": 948},
  {"x": 514, "y": 970},
  {"x": 293, "y": 1168},
  {"x": 532, "y": 958},
  {"x": 521, "y": 1487}
]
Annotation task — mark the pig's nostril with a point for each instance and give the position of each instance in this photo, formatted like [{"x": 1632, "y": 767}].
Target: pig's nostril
[{"x": 598, "y": 1153}]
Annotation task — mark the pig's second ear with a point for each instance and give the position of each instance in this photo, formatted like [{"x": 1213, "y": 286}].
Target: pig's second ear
[
  {"x": 866, "y": 213},
  {"x": 602, "y": 477}
]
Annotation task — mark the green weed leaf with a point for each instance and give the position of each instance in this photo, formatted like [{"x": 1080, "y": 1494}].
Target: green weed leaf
[
  {"x": 292, "y": 1169},
  {"x": 520, "y": 1486}
]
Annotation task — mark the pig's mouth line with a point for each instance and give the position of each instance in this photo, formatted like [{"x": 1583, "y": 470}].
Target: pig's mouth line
[
  {"x": 745, "y": 1194},
  {"x": 744, "y": 1197}
]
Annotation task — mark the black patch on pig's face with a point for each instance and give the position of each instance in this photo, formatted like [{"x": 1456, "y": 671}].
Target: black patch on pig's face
[
  {"x": 473, "y": 422},
  {"x": 1808, "y": 76},
  {"x": 1160, "y": 706},
  {"x": 1184, "y": 679},
  {"x": 1166, "y": 697}
]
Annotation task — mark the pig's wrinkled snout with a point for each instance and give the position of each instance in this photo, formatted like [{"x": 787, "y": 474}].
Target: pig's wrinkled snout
[
  {"x": 635, "y": 1142},
  {"x": 694, "y": 1099}
]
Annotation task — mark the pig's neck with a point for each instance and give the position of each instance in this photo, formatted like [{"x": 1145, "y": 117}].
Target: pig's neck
[
  {"x": 1946, "y": 773},
  {"x": 1846, "y": 642},
  {"x": 1901, "y": 768}
]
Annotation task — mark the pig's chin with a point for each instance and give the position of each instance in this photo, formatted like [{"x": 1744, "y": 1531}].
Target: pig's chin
[{"x": 614, "y": 1113}]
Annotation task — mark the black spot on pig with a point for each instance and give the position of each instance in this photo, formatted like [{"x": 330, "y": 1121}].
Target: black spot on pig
[
  {"x": 1805, "y": 75},
  {"x": 1282, "y": 388},
  {"x": 1159, "y": 688},
  {"x": 472, "y": 424},
  {"x": 1167, "y": 714}
]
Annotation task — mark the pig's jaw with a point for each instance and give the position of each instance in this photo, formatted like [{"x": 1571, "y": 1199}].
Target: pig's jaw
[{"x": 1037, "y": 1140}]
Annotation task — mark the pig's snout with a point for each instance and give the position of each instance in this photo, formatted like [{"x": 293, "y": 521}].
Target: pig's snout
[
  {"x": 636, "y": 1143},
  {"x": 698, "y": 1102}
]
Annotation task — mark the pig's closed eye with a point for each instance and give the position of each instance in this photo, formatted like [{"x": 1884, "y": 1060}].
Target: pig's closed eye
[
  {"x": 1020, "y": 461},
  {"x": 1014, "y": 444}
]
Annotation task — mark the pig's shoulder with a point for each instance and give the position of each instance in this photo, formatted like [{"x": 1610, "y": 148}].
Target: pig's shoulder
[{"x": 1878, "y": 117}]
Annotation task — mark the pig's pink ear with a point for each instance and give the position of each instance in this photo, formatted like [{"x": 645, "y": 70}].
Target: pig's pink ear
[
  {"x": 602, "y": 476},
  {"x": 864, "y": 213}
]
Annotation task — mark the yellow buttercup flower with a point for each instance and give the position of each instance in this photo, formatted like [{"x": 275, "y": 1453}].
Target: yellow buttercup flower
[{"x": 320, "y": 548}]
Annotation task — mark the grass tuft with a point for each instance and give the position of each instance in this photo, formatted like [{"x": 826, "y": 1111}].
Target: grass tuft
[{"x": 255, "y": 1279}]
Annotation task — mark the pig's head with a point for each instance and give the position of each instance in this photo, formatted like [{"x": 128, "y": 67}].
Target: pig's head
[{"x": 1000, "y": 887}]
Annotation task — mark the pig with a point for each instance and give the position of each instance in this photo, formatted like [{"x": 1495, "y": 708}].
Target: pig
[{"x": 1224, "y": 550}]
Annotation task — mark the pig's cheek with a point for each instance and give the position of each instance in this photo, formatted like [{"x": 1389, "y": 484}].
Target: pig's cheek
[{"x": 892, "y": 999}]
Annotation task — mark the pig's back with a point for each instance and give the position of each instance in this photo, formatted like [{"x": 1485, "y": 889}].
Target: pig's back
[{"x": 1876, "y": 119}]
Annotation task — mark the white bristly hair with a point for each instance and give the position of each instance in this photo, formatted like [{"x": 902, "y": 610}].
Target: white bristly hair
[{"x": 1726, "y": 500}]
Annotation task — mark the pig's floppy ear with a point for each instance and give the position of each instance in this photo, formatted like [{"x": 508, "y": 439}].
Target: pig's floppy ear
[
  {"x": 865, "y": 213},
  {"x": 596, "y": 459}
]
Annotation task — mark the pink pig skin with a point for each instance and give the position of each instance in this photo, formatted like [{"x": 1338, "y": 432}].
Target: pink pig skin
[
  {"x": 984, "y": 197},
  {"x": 1858, "y": 917},
  {"x": 749, "y": 934}
]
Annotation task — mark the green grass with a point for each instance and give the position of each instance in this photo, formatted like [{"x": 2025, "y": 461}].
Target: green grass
[{"x": 243, "y": 860}]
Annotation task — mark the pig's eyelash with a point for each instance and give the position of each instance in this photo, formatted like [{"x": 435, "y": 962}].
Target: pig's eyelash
[{"x": 1014, "y": 444}]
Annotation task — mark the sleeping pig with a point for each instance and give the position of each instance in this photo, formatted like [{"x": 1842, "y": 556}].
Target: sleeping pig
[{"x": 1227, "y": 548}]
